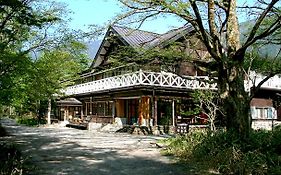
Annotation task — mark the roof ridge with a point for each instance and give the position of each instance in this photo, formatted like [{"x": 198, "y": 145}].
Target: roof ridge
[
  {"x": 141, "y": 30},
  {"x": 177, "y": 29}
]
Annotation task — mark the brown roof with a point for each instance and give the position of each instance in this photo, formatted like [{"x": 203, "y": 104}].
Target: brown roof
[
  {"x": 134, "y": 37},
  {"x": 69, "y": 102},
  {"x": 139, "y": 38}
]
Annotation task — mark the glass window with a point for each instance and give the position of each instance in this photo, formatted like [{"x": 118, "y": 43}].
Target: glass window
[
  {"x": 88, "y": 107},
  {"x": 100, "y": 109},
  {"x": 95, "y": 107},
  {"x": 264, "y": 113},
  {"x": 108, "y": 109}
]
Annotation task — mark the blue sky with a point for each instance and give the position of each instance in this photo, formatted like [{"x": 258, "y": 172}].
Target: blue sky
[
  {"x": 87, "y": 12},
  {"x": 100, "y": 12}
]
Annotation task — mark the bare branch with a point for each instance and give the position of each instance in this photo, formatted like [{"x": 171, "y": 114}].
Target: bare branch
[
  {"x": 255, "y": 28},
  {"x": 255, "y": 89},
  {"x": 200, "y": 28}
]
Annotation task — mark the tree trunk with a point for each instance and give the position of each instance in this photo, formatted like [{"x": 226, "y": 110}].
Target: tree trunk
[
  {"x": 49, "y": 111},
  {"x": 235, "y": 101}
]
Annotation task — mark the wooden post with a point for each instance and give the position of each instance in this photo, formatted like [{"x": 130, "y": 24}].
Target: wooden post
[
  {"x": 173, "y": 113},
  {"x": 127, "y": 111},
  {"x": 10, "y": 110},
  {"x": 140, "y": 111},
  {"x": 91, "y": 105},
  {"x": 152, "y": 110},
  {"x": 113, "y": 109},
  {"x": 82, "y": 114},
  {"x": 86, "y": 111},
  {"x": 155, "y": 112},
  {"x": 65, "y": 113},
  {"x": 49, "y": 111}
]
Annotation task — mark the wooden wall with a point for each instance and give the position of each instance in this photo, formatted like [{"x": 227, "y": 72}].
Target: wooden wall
[
  {"x": 120, "y": 106},
  {"x": 144, "y": 109}
]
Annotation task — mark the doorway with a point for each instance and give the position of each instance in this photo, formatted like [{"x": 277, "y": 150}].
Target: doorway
[{"x": 131, "y": 109}]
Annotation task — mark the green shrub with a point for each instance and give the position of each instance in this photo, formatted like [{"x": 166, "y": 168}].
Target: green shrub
[
  {"x": 30, "y": 121},
  {"x": 226, "y": 153},
  {"x": 2, "y": 131},
  {"x": 182, "y": 146},
  {"x": 11, "y": 160}
]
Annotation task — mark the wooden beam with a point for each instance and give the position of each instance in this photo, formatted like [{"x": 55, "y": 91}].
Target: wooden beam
[
  {"x": 173, "y": 113},
  {"x": 113, "y": 109},
  {"x": 155, "y": 111},
  {"x": 49, "y": 111}
]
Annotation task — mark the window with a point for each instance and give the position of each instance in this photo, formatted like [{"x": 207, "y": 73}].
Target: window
[
  {"x": 263, "y": 113},
  {"x": 108, "y": 109},
  {"x": 95, "y": 107},
  {"x": 88, "y": 108},
  {"x": 102, "y": 108}
]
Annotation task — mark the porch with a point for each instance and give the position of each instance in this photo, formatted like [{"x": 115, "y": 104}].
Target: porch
[
  {"x": 141, "y": 111},
  {"x": 143, "y": 78},
  {"x": 165, "y": 80}
]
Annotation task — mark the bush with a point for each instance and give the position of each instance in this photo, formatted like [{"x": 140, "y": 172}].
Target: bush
[
  {"x": 11, "y": 161},
  {"x": 2, "y": 131},
  {"x": 182, "y": 146},
  {"x": 226, "y": 153},
  {"x": 30, "y": 121}
]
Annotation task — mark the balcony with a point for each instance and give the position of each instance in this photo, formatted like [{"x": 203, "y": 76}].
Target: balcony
[
  {"x": 274, "y": 83},
  {"x": 164, "y": 79},
  {"x": 146, "y": 78}
]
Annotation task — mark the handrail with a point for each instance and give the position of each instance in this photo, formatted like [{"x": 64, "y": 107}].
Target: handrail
[
  {"x": 164, "y": 79},
  {"x": 161, "y": 79}
]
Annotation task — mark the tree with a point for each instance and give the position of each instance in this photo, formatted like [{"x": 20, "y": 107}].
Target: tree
[
  {"x": 39, "y": 54},
  {"x": 207, "y": 104},
  {"x": 19, "y": 22},
  {"x": 216, "y": 24},
  {"x": 48, "y": 75}
]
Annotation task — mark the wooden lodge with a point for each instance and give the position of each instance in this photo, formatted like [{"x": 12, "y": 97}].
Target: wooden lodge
[{"x": 149, "y": 94}]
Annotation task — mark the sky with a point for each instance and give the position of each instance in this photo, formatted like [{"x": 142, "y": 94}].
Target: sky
[{"x": 100, "y": 12}]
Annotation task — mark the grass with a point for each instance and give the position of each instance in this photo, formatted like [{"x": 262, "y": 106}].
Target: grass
[
  {"x": 11, "y": 160},
  {"x": 30, "y": 121},
  {"x": 223, "y": 152}
]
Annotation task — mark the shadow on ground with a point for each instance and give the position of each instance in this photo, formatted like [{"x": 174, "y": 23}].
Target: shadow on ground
[{"x": 70, "y": 151}]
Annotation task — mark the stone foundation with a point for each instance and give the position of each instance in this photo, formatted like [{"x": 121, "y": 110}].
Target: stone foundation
[{"x": 264, "y": 124}]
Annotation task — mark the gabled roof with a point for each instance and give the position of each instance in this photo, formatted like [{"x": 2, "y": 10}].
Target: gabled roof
[
  {"x": 143, "y": 39},
  {"x": 134, "y": 37},
  {"x": 139, "y": 39}
]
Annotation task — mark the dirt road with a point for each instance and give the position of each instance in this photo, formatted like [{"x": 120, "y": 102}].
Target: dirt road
[{"x": 66, "y": 151}]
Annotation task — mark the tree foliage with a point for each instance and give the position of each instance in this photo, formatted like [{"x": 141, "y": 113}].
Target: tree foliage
[
  {"x": 207, "y": 103},
  {"x": 18, "y": 21},
  {"x": 169, "y": 56},
  {"x": 39, "y": 54},
  {"x": 48, "y": 75}
]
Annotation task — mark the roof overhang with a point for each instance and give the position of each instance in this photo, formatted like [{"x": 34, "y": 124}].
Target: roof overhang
[{"x": 69, "y": 102}]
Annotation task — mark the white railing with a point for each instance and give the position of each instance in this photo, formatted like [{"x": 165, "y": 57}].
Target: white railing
[
  {"x": 160, "y": 79},
  {"x": 164, "y": 79},
  {"x": 273, "y": 83}
]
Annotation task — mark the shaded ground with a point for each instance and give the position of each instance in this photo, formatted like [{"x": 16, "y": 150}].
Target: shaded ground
[{"x": 61, "y": 150}]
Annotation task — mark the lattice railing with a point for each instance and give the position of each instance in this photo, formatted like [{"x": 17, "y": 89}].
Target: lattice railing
[
  {"x": 160, "y": 79},
  {"x": 273, "y": 83}
]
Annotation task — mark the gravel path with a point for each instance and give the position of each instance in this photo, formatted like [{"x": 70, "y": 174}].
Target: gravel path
[{"x": 62, "y": 151}]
